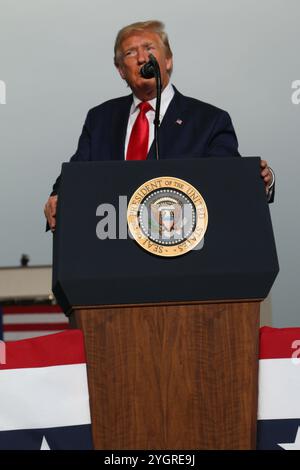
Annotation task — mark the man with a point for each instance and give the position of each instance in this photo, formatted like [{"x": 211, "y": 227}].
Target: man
[{"x": 122, "y": 128}]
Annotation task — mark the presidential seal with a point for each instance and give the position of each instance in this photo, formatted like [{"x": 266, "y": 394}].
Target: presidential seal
[{"x": 167, "y": 216}]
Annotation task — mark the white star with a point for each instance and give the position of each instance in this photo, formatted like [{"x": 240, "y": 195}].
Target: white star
[
  {"x": 293, "y": 445},
  {"x": 44, "y": 445}
]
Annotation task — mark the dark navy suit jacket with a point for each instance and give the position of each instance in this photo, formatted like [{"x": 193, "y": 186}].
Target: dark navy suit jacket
[{"x": 189, "y": 129}]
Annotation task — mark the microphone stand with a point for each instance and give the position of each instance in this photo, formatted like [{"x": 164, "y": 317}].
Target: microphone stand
[{"x": 149, "y": 70}]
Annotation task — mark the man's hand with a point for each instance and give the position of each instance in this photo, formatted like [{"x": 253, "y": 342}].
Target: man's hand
[
  {"x": 266, "y": 174},
  {"x": 50, "y": 212}
]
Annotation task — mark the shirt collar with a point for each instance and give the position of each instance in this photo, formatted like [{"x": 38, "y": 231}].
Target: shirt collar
[{"x": 166, "y": 98}]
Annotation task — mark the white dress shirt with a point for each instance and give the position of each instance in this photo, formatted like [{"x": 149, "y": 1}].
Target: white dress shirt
[{"x": 166, "y": 98}]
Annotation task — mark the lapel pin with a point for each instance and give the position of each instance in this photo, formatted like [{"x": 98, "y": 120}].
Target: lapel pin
[{"x": 179, "y": 121}]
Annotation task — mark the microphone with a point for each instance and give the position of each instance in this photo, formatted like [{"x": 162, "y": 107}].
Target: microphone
[{"x": 149, "y": 68}]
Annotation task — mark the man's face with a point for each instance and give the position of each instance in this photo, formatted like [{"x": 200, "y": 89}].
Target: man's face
[{"x": 135, "y": 50}]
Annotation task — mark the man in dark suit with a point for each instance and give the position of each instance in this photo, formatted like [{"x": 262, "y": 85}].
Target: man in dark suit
[{"x": 122, "y": 128}]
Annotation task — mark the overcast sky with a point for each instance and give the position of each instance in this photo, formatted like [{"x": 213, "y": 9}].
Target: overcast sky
[{"x": 56, "y": 63}]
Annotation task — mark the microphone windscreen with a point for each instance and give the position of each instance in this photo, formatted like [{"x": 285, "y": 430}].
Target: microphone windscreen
[{"x": 147, "y": 70}]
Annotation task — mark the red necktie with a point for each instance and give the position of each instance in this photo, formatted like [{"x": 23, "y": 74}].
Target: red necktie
[{"x": 138, "y": 143}]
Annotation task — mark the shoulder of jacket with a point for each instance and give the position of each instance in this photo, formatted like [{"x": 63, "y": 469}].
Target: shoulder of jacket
[
  {"x": 199, "y": 105},
  {"x": 109, "y": 105}
]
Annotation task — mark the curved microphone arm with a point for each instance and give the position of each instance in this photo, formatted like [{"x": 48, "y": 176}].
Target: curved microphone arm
[{"x": 149, "y": 70}]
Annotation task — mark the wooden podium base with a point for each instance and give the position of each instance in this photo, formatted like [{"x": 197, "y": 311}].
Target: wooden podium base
[{"x": 171, "y": 376}]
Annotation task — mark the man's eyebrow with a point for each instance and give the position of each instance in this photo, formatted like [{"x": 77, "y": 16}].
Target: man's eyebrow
[
  {"x": 148, "y": 43},
  {"x": 144, "y": 44}
]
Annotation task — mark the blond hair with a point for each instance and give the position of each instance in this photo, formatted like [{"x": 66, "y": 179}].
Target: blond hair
[{"x": 153, "y": 26}]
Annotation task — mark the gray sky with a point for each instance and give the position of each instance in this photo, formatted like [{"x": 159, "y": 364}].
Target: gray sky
[{"x": 56, "y": 62}]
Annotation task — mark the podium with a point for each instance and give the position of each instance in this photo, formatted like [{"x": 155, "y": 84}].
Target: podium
[{"x": 171, "y": 342}]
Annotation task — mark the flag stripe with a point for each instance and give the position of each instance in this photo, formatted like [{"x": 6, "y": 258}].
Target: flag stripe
[
  {"x": 35, "y": 318},
  {"x": 1, "y": 324},
  {"x": 25, "y": 321},
  {"x": 20, "y": 309},
  {"x": 279, "y": 389},
  {"x": 61, "y": 438},
  {"x": 36, "y": 327},
  {"x": 56, "y": 349},
  {"x": 279, "y": 342},
  {"x": 43, "y": 390},
  {"x": 18, "y": 335}
]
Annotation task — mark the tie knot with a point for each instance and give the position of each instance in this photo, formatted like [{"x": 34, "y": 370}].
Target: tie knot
[{"x": 145, "y": 107}]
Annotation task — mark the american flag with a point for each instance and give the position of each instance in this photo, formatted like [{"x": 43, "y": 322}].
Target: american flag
[
  {"x": 29, "y": 321},
  {"x": 1, "y": 328},
  {"x": 279, "y": 389},
  {"x": 44, "y": 399}
]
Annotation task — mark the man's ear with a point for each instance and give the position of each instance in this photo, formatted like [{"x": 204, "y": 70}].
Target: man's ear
[
  {"x": 121, "y": 72},
  {"x": 169, "y": 64}
]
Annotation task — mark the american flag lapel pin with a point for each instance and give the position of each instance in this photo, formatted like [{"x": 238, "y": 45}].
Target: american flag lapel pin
[{"x": 179, "y": 121}]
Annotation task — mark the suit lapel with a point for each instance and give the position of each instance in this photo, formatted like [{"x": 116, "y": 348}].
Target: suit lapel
[
  {"x": 167, "y": 131},
  {"x": 169, "y": 126},
  {"x": 119, "y": 126}
]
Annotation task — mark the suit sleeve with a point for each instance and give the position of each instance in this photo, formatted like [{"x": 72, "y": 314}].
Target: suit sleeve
[{"x": 223, "y": 141}]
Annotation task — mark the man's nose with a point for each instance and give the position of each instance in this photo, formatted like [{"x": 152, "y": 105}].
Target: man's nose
[{"x": 142, "y": 56}]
